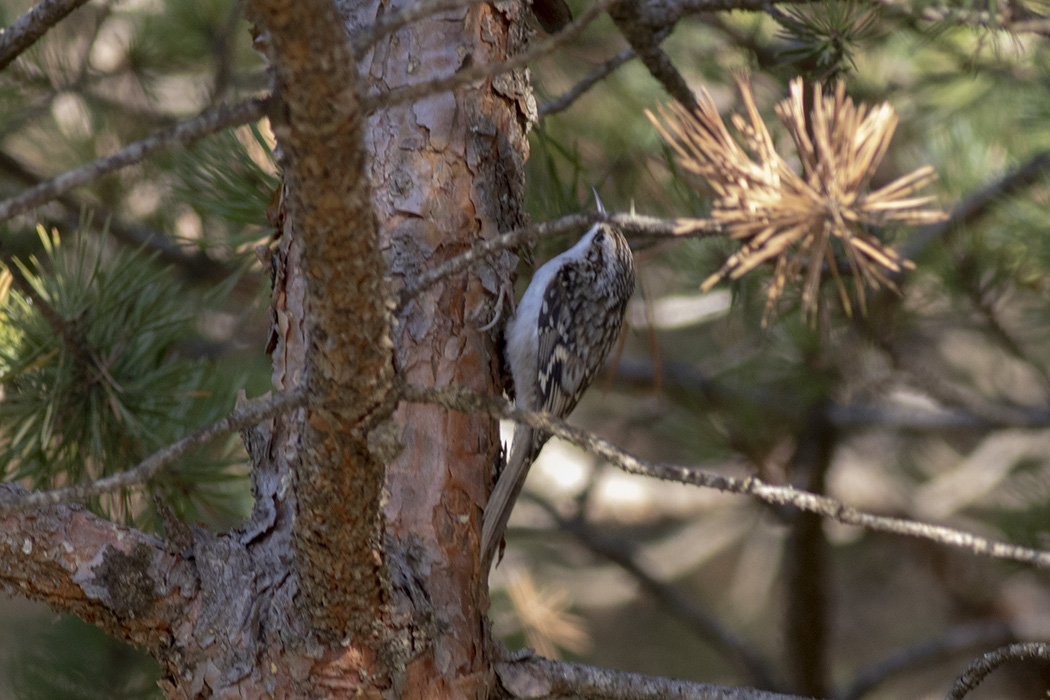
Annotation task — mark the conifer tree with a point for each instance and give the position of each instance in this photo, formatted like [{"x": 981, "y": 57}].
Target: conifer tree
[{"x": 255, "y": 265}]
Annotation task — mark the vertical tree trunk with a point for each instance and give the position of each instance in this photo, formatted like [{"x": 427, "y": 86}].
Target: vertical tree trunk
[
  {"x": 446, "y": 172},
  {"x": 358, "y": 572}
]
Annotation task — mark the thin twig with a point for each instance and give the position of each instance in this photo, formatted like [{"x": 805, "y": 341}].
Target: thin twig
[
  {"x": 182, "y": 134},
  {"x": 646, "y": 42},
  {"x": 702, "y": 624},
  {"x": 246, "y": 416},
  {"x": 983, "y": 666},
  {"x": 473, "y": 74},
  {"x": 197, "y": 265},
  {"x": 468, "y": 402},
  {"x": 921, "y": 656},
  {"x": 536, "y": 677},
  {"x": 31, "y": 26},
  {"x": 637, "y": 225},
  {"x": 563, "y": 102},
  {"x": 978, "y": 205}
]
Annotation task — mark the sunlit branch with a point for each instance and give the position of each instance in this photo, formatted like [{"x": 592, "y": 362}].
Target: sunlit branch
[
  {"x": 246, "y": 416},
  {"x": 563, "y": 102},
  {"x": 637, "y": 225},
  {"x": 182, "y": 134},
  {"x": 922, "y": 656},
  {"x": 780, "y": 495},
  {"x": 537, "y": 677},
  {"x": 31, "y": 26},
  {"x": 982, "y": 667}
]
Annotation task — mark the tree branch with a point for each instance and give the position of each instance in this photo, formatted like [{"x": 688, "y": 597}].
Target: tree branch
[
  {"x": 569, "y": 96},
  {"x": 537, "y": 677},
  {"x": 182, "y": 134},
  {"x": 197, "y": 265},
  {"x": 636, "y": 224},
  {"x": 337, "y": 271},
  {"x": 645, "y": 39},
  {"x": 31, "y": 26},
  {"x": 468, "y": 402},
  {"x": 103, "y": 573},
  {"x": 922, "y": 656},
  {"x": 977, "y": 205},
  {"x": 982, "y": 667},
  {"x": 245, "y": 417},
  {"x": 665, "y": 13}
]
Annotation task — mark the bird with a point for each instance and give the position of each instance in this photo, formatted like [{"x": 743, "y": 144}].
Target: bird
[{"x": 567, "y": 322}]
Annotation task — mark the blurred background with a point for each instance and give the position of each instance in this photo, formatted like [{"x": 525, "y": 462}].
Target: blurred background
[{"x": 933, "y": 405}]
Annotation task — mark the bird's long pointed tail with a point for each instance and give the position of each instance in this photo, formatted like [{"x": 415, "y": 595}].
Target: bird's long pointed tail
[{"x": 505, "y": 493}]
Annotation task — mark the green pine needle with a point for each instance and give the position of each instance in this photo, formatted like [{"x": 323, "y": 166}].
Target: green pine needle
[{"x": 111, "y": 389}]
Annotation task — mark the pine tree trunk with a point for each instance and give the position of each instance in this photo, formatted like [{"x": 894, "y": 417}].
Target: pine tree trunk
[{"x": 358, "y": 572}]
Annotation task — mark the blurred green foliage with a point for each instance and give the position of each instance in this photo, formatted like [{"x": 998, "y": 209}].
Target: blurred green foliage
[{"x": 72, "y": 660}]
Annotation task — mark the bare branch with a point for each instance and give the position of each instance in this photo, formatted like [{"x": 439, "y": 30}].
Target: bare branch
[
  {"x": 636, "y": 224},
  {"x": 982, "y": 667},
  {"x": 197, "y": 265},
  {"x": 920, "y": 657},
  {"x": 979, "y": 204},
  {"x": 645, "y": 39},
  {"x": 537, "y": 677},
  {"x": 182, "y": 134},
  {"x": 702, "y": 624},
  {"x": 245, "y": 417},
  {"x": 565, "y": 100},
  {"x": 468, "y": 402},
  {"x": 664, "y": 13},
  {"x": 104, "y": 573},
  {"x": 31, "y": 26}
]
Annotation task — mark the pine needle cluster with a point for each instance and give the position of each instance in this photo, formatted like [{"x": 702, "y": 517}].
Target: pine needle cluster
[
  {"x": 91, "y": 377},
  {"x": 803, "y": 222}
]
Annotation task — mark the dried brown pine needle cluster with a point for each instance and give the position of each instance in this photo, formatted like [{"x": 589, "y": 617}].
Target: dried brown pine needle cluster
[{"x": 804, "y": 222}]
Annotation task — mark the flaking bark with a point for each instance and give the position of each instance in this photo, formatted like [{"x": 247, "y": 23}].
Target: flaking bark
[{"x": 344, "y": 319}]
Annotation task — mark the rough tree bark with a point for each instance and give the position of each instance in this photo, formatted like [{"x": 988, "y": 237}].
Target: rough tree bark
[{"x": 358, "y": 572}]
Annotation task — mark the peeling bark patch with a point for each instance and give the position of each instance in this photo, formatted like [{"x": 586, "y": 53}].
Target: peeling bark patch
[
  {"x": 437, "y": 114},
  {"x": 126, "y": 579}
]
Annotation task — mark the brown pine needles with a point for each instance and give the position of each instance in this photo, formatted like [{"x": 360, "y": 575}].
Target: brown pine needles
[{"x": 800, "y": 221}]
